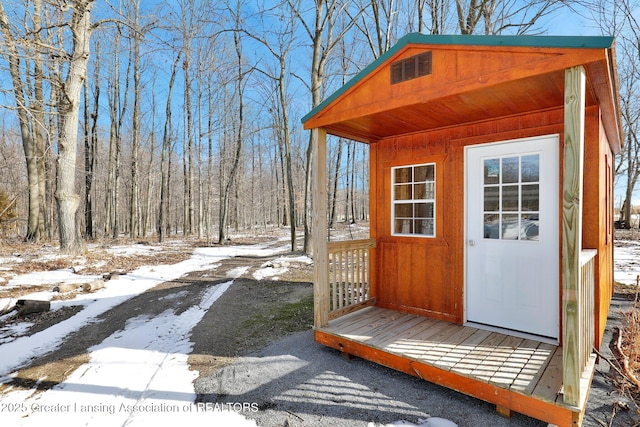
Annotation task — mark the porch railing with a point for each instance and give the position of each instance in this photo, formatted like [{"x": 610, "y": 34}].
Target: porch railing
[
  {"x": 578, "y": 343},
  {"x": 349, "y": 275}
]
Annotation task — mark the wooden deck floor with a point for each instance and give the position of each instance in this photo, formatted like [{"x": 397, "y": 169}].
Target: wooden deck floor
[{"x": 516, "y": 374}]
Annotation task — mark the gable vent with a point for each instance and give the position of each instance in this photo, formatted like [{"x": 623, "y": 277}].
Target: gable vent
[{"x": 411, "y": 68}]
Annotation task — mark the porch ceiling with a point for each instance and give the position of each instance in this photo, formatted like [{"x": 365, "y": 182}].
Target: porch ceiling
[{"x": 540, "y": 92}]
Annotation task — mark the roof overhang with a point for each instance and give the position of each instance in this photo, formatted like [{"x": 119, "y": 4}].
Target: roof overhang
[{"x": 474, "y": 79}]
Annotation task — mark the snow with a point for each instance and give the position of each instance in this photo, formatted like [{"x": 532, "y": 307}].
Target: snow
[
  {"x": 140, "y": 375},
  {"x": 626, "y": 261},
  {"x": 49, "y": 277},
  {"x": 277, "y": 267}
]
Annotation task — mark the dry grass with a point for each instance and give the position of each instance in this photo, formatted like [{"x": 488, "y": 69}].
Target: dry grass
[
  {"x": 631, "y": 338},
  {"x": 18, "y": 258},
  {"x": 626, "y": 382},
  {"x": 631, "y": 345}
]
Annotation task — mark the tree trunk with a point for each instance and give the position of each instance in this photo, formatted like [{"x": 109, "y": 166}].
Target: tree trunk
[
  {"x": 224, "y": 203},
  {"x": 39, "y": 132},
  {"x": 88, "y": 165},
  {"x": 165, "y": 157},
  {"x": 135, "y": 142},
  {"x": 116, "y": 114},
  {"x": 94, "y": 130},
  {"x": 332, "y": 215},
  {"x": 318, "y": 61},
  {"x": 187, "y": 156},
  {"x": 150, "y": 175},
  {"x": 29, "y": 131},
  {"x": 68, "y": 109}
]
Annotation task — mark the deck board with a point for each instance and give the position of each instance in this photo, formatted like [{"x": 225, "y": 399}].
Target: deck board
[
  {"x": 413, "y": 341},
  {"x": 548, "y": 386},
  {"x": 524, "y": 366}
]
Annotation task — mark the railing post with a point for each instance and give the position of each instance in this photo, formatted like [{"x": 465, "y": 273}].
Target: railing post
[
  {"x": 574, "y": 111},
  {"x": 319, "y": 227}
]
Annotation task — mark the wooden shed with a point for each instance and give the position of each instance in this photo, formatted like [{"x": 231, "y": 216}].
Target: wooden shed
[{"x": 490, "y": 264}]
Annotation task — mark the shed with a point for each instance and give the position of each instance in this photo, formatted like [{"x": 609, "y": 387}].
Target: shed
[{"x": 489, "y": 268}]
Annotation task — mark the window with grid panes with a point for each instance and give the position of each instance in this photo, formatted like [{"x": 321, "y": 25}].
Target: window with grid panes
[{"x": 414, "y": 200}]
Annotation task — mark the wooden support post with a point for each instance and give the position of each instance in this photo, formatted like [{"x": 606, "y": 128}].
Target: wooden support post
[
  {"x": 319, "y": 228},
  {"x": 574, "y": 112},
  {"x": 503, "y": 411}
]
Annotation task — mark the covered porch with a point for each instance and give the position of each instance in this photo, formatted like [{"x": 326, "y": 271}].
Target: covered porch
[{"x": 515, "y": 373}]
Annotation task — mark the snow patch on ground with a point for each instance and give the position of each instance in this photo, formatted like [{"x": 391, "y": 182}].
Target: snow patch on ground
[
  {"x": 237, "y": 272},
  {"x": 626, "y": 261},
  {"x": 277, "y": 267},
  {"x": 50, "y": 277}
]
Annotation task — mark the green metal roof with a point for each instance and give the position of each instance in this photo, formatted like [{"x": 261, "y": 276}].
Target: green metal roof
[{"x": 577, "y": 42}]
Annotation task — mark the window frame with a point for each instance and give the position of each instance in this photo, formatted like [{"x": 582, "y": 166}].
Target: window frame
[{"x": 413, "y": 201}]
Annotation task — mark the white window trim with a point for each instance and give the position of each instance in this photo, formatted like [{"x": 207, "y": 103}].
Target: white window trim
[{"x": 413, "y": 201}]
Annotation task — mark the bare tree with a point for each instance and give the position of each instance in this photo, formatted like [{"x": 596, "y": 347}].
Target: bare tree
[
  {"x": 118, "y": 104},
  {"x": 239, "y": 130},
  {"x": 165, "y": 157},
  {"x": 90, "y": 148},
  {"x": 282, "y": 45},
  {"x": 68, "y": 81},
  {"x": 135, "y": 39},
  {"x": 384, "y": 17},
  {"x": 324, "y": 37},
  {"x": 68, "y": 114},
  {"x": 617, "y": 18},
  {"x": 22, "y": 54}
]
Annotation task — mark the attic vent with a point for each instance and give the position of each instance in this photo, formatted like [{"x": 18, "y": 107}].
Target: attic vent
[{"x": 411, "y": 68}]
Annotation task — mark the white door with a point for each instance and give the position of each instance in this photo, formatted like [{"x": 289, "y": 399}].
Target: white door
[{"x": 512, "y": 251}]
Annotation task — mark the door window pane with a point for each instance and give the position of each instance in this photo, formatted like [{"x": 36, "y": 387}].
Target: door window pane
[
  {"x": 492, "y": 226},
  {"x": 403, "y": 210},
  {"x": 510, "y": 170},
  {"x": 424, "y": 210},
  {"x": 402, "y": 175},
  {"x": 530, "y": 197},
  {"x": 510, "y": 227},
  {"x": 491, "y": 199},
  {"x": 511, "y": 197},
  {"x": 492, "y": 171},
  {"x": 403, "y": 226},
  {"x": 424, "y": 227},
  {"x": 529, "y": 227},
  {"x": 531, "y": 168}
]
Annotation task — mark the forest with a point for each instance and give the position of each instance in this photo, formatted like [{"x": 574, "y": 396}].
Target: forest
[{"x": 159, "y": 118}]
